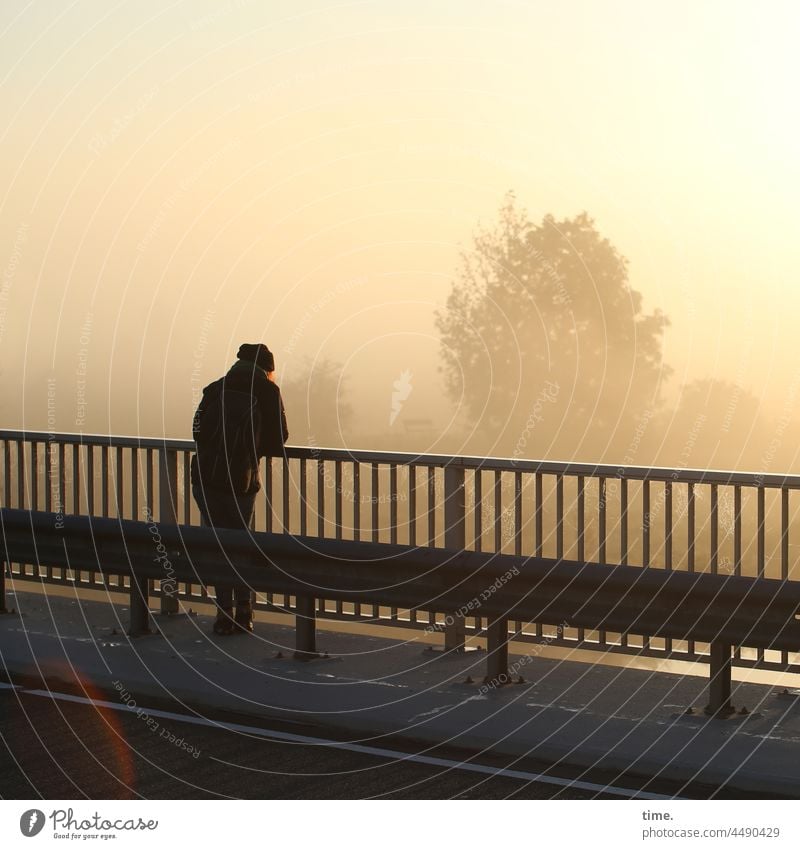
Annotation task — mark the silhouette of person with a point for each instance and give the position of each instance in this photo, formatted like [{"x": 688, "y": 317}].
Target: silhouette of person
[{"x": 240, "y": 419}]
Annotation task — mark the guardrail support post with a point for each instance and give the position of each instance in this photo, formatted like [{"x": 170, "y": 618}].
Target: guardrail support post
[
  {"x": 140, "y": 608},
  {"x": 719, "y": 685},
  {"x": 167, "y": 515},
  {"x": 454, "y": 537},
  {"x": 305, "y": 628},
  {"x": 497, "y": 653}
]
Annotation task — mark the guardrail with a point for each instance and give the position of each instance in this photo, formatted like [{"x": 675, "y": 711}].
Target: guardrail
[
  {"x": 683, "y": 520},
  {"x": 724, "y": 611}
]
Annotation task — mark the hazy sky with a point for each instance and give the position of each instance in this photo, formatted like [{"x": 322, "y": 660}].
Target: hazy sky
[{"x": 179, "y": 178}]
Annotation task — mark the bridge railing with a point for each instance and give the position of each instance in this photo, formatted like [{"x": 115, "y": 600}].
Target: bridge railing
[{"x": 729, "y": 523}]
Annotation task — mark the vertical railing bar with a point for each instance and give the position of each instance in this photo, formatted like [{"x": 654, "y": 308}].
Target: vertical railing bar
[
  {"x": 714, "y": 553},
  {"x": 285, "y": 512},
  {"x": 431, "y": 506},
  {"x": 560, "y": 516},
  {"x": 269, "y": 482},
  {"x": 89, "y": 493},
  {"x": 412, "y": 505},
  {"x": 134, "y": 482},
  {"x": 601, "y": 539},
  {"x": 303, "y": 497},
  {"x": 498, "y": 508},
  {"x": 90, "y": 479},
  {"x": 623, "y": 536},
  {"x": 375, "y": 495},
  {"x": 601, "y": 520},
  {"x": 62, "y": 481},
  {"x": 148, "y": 469},
  {"x": 760, "y": 532},
  {"x": 337, "y": 501},
  {"x": 76, "y": 479},
  {"x": 539, "y": 515},
  {"x": 48, "y": 493},
  {"x": 356, "y": 501},
  {"x": 104, "y": 475},
  {"x": 581, "y": 518},
  {"x": 737, "y": 531},
  {"x": 478, "y": 509},
  {"x": 320, "y": 497},
  {"x": 48, "y": 478},
  {"x": 623, "y": 522},
  {"x": 784, "y": 534},
  {"x": 518, "y": 513},
  {"x": 690, "y": 543},
  {"x": 34, "y": 475},
  {"x": 393, "y": 503},
  {"x": 645, "y": 523},
  {"x": 668, "y": 519},
  {"x": 187, "y": 487},
  {"x": 21, "y": 473},
  {"x": 581, "y": 499},
  {"x": 6, "y": 474},
  {"x": 119, "y": 483}
]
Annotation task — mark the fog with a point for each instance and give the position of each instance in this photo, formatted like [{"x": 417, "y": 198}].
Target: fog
[{"x": 178, "y": 181}]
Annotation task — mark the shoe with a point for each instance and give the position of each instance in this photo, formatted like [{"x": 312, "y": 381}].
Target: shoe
[
  {"x": 244, "y": 619},
  {"x": 224, "y": 625}
]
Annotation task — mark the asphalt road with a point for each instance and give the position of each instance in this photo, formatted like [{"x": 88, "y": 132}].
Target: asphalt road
[{"x": 56, "y": 749}]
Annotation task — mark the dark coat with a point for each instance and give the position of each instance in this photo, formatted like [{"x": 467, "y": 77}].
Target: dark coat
[{"x": 240, "y": 419}]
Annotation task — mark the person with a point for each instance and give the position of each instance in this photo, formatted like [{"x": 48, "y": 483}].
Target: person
[{"x": 240, "y": 418}]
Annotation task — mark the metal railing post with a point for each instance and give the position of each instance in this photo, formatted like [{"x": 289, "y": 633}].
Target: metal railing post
[
  {"x": 140, "y": 609},
  {"x": 497, "y": 653},
  {"x": 719, "y": 684},
  {"x": 305, "y": 628},
  {"x": 454, "y": 537},
  {"x": 168, "y": 515}
]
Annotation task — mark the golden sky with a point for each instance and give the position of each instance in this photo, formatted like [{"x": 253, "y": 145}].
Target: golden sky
[{"x": 177, "y": 178}]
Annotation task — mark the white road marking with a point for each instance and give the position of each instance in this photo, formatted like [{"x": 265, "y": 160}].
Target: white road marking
[{"x": 375, "y": 751}]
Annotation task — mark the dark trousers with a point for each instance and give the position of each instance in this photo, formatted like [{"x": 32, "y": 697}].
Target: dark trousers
[{"x": 227, "y": 510}]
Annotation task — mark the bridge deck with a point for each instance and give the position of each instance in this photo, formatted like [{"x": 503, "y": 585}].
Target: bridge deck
[{"x": 590, "y": 715}]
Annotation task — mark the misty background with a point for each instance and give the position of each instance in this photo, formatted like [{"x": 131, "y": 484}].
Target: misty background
[{"x": 509, "y": 229}]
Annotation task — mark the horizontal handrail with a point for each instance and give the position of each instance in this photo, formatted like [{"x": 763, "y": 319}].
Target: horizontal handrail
[{"x": 569, "y": 468}]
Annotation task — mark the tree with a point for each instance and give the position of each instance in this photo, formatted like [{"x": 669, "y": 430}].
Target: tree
[{"x": 545, "y": 346}]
